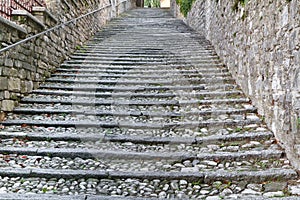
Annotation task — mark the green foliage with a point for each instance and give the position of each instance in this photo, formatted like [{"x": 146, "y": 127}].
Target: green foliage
[
  {"x": 152, "y": 3},
  {"x": 236, "y": 3},
  {"x": 185, "y": 6}
]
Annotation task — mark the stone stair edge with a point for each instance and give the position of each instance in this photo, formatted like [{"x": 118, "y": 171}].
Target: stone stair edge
[{"x": 138, "y": 139}]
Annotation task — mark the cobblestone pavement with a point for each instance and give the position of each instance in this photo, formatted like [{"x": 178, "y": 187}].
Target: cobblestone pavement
[{"x": 145, "y": 109}]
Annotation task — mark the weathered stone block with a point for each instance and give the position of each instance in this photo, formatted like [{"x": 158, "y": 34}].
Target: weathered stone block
[
  {"x": 7, "y": 105},
  {"x": 13, "y": 72},
  {"x": 1, "y": 95},
  {"x": 9, "y": 62},
  {"x": 14, "y": 84},
  {"x": 3, "y": 83},
  {"x": 6, "y": 94},
  {"x": 29, "y": 86}
]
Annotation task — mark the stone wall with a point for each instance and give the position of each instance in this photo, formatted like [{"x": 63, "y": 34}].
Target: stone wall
[
  {"x": 259, "y": 42},
  {"x": 10, "y": 32},
  {"x": 24, "y": 66},
  {"x": 65, "y": 10}
]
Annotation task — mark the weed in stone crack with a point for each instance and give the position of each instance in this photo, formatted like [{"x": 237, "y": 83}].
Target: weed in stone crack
[
  {"x": 44, "y": 190},
  {"x": 234, "y": 144},
  {"x": 108, "y": 131},
  {"x": 236, "y": 3},
  {"x": 22, "y": 180},
  {"x": 82, "y": 51},
  {"x": 238, "y": 129},
  {"x": 63, "y": 114},
  {"x": 222, "y": 145},
  {"x": 262, "y": 165},
  {"x": 78, "y": 47},
  {"x": 244, "y": 16},
  {"x": 227, "y": 184},
  {"x": 199, "y": 182},
  {"x": 217, "y": 185},
  {"x": 286, "y": 192},
  {"x": 263, "y": 118},
  {"x": 172, "y": 108}
]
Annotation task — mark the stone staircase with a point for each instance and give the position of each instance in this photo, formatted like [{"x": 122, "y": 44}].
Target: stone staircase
[{"x": 146, "y": 109}]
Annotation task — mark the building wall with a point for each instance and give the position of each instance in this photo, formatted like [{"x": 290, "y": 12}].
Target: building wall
[
  {"x": 165, "y": 3},
  {"x": 259, "y": 42}
]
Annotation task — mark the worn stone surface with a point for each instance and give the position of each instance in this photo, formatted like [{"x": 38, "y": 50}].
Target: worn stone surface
[
  {"x": 7, "y": 105},
  {"x": 258, "y": 42},
  {"x": 132, "y": 113}
]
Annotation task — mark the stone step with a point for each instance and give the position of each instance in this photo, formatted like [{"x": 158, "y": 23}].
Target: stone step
[
  {"x": 115, "y": 56},
  {"x": 184, "y": 132},
  {"x": 141, "y": 81},
  {"x": 151, "y": 42},
  {"x": 21, "y": 138},
  {"x": 191, "y": 186},
  {"x": 145, "y": 72},
  {"x": 136, "y": 103},
  {"x": 144, "y": 148},
  {"x": 145, "y": 65},
  {"x": 132, "y": 162},
  {"x": 169, "y": 60},
  {"x": 132, "y": 125},
  {"x": 98, "y": 52},
  {"x": 119, "y": 88},
  {"x": 29, "y": 111},
  {"x": 198, "y": 95},
  {"x": 204, "y": 177},
  {"x": 109, "y": 76},
  {"x": 134, "y": 114},
  {"x": 139, "y": 50}
]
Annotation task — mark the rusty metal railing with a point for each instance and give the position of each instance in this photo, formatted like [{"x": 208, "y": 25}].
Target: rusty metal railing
[{"x": 7, "y": 6}]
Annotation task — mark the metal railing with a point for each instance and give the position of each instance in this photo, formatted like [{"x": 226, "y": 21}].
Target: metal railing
[
  {"x": 7, "y": 6},
  {"x": 64, "y": 24},
  {"x": 72, "y": 21}
]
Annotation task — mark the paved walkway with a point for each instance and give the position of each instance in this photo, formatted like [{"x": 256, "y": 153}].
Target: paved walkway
[{"x": 145, "y": 109}]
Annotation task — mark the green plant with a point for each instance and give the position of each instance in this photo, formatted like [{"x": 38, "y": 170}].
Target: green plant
[
  {"x": 201, "y": 97},
  {"x": 244, "y": 16},
  {"x": 78, "y": 47},
  {"x": 152, "y": 3},
  {"x": 185, "y": 6},
  {"x": 198, "y": 182},
  {"x": 236, "y": 3}
]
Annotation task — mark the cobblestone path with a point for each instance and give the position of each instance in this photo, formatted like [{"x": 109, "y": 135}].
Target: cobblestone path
[{"x": 145, "y": 109}]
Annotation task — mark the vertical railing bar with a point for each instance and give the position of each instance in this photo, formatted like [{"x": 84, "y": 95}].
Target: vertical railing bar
[{"x": 7, "y": 6}]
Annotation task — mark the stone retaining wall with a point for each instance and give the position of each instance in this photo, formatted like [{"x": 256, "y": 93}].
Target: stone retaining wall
[
  {"x": 10, "y": 32},
  {"x": 24, "y": 66},
  {"x": 259, "y": 42}
]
